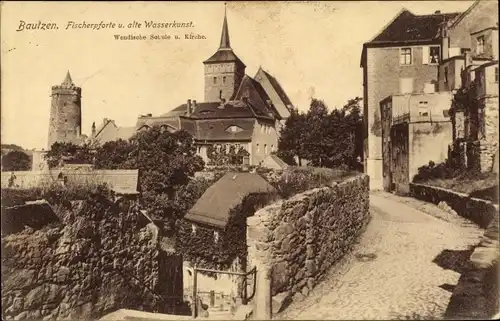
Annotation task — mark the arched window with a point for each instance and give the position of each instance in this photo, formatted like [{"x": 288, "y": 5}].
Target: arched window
[
  {"x": 265, "y": 149},
  {"x": 224, "y": 80},
  {"x": 215, "y": 80}
]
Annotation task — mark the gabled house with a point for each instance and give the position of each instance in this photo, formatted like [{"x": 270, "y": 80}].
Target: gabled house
[
  {"x": 401, "y": 59},
  {"x": 218, "y": 221},
  {"x": 237, "y": 110},
  {"x": 470, "y": 71}
]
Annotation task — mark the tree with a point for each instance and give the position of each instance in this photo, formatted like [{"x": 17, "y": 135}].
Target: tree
[
  {"x": 292, "y": 138},
  {"x": 16, "y": 160},
  {"x": 221, "y": 154},
  {"x": 326, "y": 139},
  {"x": 166, "y": 163},
  {"x": 60, "y": 153}
]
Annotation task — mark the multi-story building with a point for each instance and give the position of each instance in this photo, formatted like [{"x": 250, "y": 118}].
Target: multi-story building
[
  {"x": 402, "y": 59},
  {"x": 470, "y": 71},
  {"x": 416, "y": 129},
  {"x": 237, "y": 110}
]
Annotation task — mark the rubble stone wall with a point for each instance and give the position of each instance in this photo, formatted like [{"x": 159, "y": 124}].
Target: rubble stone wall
[
  {"x": 99, "y": 258},
  {"x": 299, "y": 239},
  {"x": 476, "y": 210}
]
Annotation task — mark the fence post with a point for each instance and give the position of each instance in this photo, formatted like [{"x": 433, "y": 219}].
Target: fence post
[
  {"x": 262, "y": 306},
  {"x": 212, "y": 298},
  {"x": 194, "y": 305}
]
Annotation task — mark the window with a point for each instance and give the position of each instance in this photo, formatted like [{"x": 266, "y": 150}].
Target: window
[
  {"x": 480, "y": 45},
  {"x": 234, "y": 129},
  {"x": 262, "y": 128},
  {"x": 481, "y": 125},
  {"x": 430, "y": 55},
  {"x": 434, "y": 55},
  {"x": 257, "y": 148},
  {"x": 406, "y": 85},
  {"x": 265, "y": 149},
  {"x": 423, "y": 110},
  {"x": 445, "y": 75},
  {"x": 193, "y": 229},
  {"x": 224, "y": 80},
  {"x": 215, "y": 80},
  {"x": 405, "y": 58},
  {"x": 496, "y": 74}
]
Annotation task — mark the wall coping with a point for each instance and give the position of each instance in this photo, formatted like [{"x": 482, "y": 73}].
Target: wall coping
[{"x": 445, "y": 190}]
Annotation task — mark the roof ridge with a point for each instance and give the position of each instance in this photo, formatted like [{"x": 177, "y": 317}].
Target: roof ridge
[
  {"x": 463, "y": 14},
  {"x": 403, "y": 9}
]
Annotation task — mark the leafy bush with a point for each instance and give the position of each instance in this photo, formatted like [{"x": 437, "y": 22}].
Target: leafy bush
[
  {"x": 453, "y": 177},
  {"x": 16, "y": 160},
  {"x": 202, "y": 249},
  {"x": 296, "y": 180},
  {"x": 53, "y": 193}
]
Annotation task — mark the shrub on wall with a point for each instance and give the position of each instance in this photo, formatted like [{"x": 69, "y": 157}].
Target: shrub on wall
[
  {"x": 204, "y": 250},
  {"x": 54, "y": 193}
]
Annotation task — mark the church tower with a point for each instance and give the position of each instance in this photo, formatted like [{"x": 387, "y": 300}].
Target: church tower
[
  {"x": 224, "y": 71},
  {"x": 65, "y": 113}
]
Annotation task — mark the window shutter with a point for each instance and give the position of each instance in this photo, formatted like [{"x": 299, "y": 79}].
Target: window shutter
[{"x": 425, "y": 55}]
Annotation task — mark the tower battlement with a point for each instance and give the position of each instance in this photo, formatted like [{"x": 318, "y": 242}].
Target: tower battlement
[{"x": 65, "y": 113}]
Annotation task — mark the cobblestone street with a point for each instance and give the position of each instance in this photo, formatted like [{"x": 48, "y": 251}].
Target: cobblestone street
[{"x": 391, "y": 273}]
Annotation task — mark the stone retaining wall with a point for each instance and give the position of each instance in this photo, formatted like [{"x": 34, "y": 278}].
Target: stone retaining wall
[
  {"x": 476, "y": 210},
  {"x": 476, "y": 295},
  {"x": 298, "y": 240},
  {"x": 98, "y": 258}
]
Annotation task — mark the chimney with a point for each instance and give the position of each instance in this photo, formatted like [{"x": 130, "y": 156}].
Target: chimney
[
  {"x": 467, "y": 59},
  {"x": 93, "y": 129},
  {"x": 437, "y": 12},
  {"x": 222, "y": 103},
  {"x": 194, "y": 106},
  {"x": 188, "y": 107}
]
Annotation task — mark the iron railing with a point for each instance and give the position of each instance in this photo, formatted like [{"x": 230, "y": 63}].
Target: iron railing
[{"x": 245, "y": 298}]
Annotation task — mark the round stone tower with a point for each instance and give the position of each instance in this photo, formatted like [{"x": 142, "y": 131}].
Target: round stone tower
[{"x": 65, "y": 113}]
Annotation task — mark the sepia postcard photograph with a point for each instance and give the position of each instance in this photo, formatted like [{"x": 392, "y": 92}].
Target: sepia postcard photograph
[{"x": 249, "y": 160}]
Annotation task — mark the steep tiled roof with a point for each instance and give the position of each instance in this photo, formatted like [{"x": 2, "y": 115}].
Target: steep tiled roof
[
  {"x": 214, "y": 206},
  {"x": 171, "y": 121},
  {"x": 118, "y": 133},
  {"x": 224, "y": 55},
  {"x": 35, "y": 214},
  {"x": 120, "y": 181},
  {"x": 212, "y": 110},
  {"x": 257, "y": 96},
  {"x": 407, "y": 27},
  {"x": 279, "y": 90},
  {"x": 216, "y": 129}
]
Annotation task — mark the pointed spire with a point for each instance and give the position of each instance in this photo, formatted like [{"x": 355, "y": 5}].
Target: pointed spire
[
  {"x": 224, "y": 38},
  {"x": 67, "y": 81}
]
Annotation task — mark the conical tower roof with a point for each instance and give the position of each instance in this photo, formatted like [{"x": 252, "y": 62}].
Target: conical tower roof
[
  {"x": 224, "y": 38},
  {"x": 225, "y": 52},
  {"x": 67, "y": 80}
]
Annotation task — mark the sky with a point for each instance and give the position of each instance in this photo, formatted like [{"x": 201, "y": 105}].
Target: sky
[{"x": 312, "y": 48}]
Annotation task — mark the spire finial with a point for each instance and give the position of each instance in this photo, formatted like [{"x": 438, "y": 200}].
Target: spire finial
[
  {"x": 224, "y": 39},
  {"x": 67, "y": 79}
]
